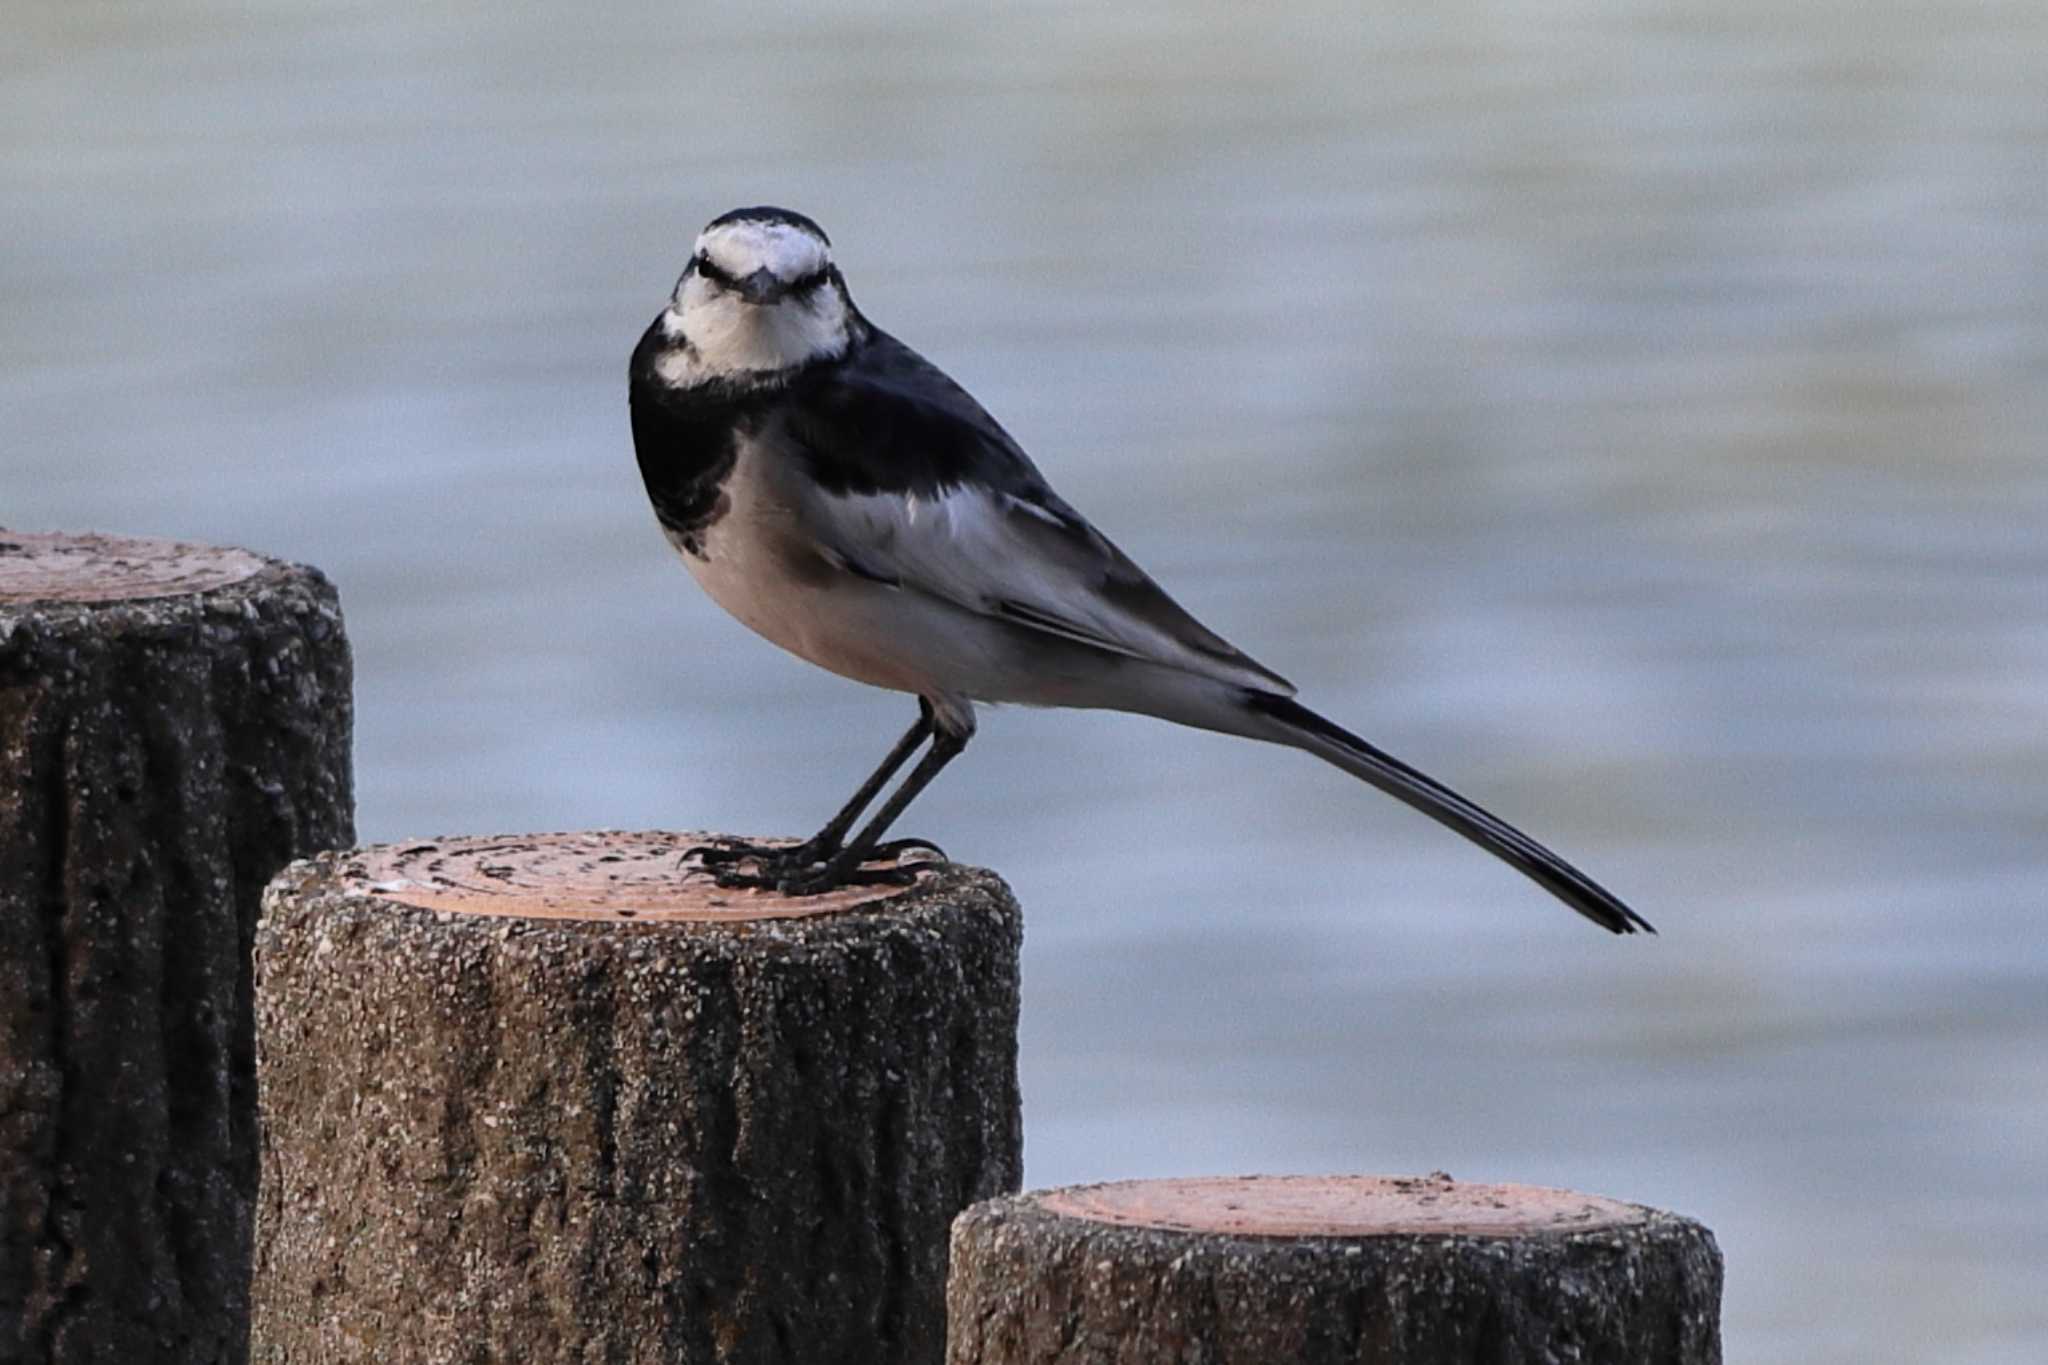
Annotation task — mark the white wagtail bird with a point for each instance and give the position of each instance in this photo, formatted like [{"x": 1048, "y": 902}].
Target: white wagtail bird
[{"x": 836, "y": 492}]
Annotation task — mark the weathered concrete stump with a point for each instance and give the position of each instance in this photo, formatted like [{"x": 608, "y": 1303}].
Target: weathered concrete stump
[
  {"x": 552, "y": 1098},
  {"x": 1312, "y": 1269},
  {"x": 174, "y": 728}
]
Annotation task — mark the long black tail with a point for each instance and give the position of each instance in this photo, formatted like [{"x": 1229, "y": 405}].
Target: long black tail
[{"x": 1305, "y": 729}]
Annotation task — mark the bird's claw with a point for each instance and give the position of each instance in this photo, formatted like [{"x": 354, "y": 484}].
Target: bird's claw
[
  {"x": 896, "y": 848},
  {"x": 798, "y": 872},
  {"x": 816, "y": 880},
  {"x": 727, "y": 852}
]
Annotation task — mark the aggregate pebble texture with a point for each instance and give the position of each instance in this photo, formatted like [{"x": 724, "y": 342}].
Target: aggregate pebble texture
[
  {"x": 615, "y": 1137},
  {"x": 174, "y": 728},
  {"x": 1246, "y": 1276}
]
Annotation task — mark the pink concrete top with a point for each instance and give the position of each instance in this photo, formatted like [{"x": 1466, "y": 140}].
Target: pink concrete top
[
  {"x": 595, "y": 875},
  {"x": 64, "y": 566},
  {"x": 1337, "y": 1206}
]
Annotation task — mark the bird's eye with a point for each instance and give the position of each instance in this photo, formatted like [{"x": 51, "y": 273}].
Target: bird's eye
[
  {"x": 711, "y": 272},
  {"x": 812, "y": 280}
]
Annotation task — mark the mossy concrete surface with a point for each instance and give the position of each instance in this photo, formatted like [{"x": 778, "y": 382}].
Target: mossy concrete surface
[
  {"x": 161, "y": 757},
  {"x": 493, "y": 1138},
  {"x": 1032, "y": 1286}
]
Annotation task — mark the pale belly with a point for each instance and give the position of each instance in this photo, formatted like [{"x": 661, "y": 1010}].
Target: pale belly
[
  {"x": 762, "y": 567},
  {"x": 794, "y": 599},
  {"x": 762, "y": 563}
]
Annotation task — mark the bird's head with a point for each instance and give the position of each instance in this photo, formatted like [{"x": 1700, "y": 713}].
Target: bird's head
[{"x": 760, "y": 296}]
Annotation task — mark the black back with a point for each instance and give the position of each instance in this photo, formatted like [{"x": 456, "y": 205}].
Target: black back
[
  {"x": 886, "y": 420},
  {"x": 881, "y": 419}
]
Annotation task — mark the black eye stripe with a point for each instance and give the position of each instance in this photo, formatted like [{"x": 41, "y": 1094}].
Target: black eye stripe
[{"x": 711, "y": 271}]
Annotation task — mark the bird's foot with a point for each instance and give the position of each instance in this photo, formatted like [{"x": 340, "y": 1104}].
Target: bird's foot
[
  {"x": 816, "y": 881},
  {"x": 799, "y": 871},
  {"x": 725, "y": 852}
]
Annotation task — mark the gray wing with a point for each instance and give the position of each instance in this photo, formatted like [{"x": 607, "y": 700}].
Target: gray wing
[
  {"x": 1027, "y": 558},
  {"x": 912, "y": 483}
]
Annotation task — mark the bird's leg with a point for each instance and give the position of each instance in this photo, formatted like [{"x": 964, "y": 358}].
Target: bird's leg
[
  {"x": 844, "y": 867},
  {"x": 788, "y": 860}
]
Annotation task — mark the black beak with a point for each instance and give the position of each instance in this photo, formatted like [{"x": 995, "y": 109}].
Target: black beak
[{"x": 762, "y": 287}]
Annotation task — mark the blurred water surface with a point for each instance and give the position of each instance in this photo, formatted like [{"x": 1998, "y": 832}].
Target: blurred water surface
[{"x": 1631, "y": 413}]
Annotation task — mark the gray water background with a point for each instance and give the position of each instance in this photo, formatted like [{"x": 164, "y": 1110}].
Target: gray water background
[{"x": 1632, "y": 413}]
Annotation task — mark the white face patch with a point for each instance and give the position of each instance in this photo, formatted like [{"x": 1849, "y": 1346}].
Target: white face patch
[{"x": 730, "y": 338}]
